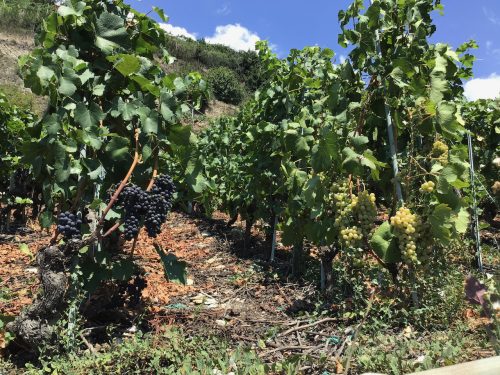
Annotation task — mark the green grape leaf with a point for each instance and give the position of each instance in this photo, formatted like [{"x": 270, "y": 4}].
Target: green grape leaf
[
  {"x": 175, "y": 270},
  {"x": 440, "y": 223},
  {"x": 118, "y": 148},
  {"x": 125, "y": 64},
  {"x": 384, "y": 244},
  {"x": 110, "y": 32},
  {"x": 448, "y": 120},
  {"x": 461, "y": 221},
  {"x": 88, "y": 116},
  {"x": 71, "y": 9},
  {"x": 66, "y": 87},
  {"x": 161, "y": 14}
]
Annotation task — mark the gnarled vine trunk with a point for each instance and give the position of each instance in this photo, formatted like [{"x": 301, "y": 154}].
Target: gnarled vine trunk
[{"x": 34, "y": 326}]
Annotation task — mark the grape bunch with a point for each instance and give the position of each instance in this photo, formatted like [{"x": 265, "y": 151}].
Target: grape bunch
[
  {"x": 406, "y": 224},
  {"x": 427, "y": 187},
  {"x": 440, "y": 152},
  {"x": 351, "y": 236},
  {"x": 134, "y": 200},
  {"x": 366, "y": 210},
  {"x": 159, "y": 204},
  {"x": 68, "y": 224},
  {"x": 342, "y": 204}
]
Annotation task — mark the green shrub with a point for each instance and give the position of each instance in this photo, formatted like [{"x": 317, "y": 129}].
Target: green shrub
[
  {"x": 23, "y": 14},
  {"x": 225, "y": 86}
]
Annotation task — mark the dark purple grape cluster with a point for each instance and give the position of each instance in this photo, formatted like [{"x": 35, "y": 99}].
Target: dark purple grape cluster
[
  {"x": 68, "y": 224},
  {"x": 134, "y": 200},
  {"x": 159, "y": 204}
]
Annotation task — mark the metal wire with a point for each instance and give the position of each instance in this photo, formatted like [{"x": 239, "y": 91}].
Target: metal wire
[{"x": 475, "y": 223}]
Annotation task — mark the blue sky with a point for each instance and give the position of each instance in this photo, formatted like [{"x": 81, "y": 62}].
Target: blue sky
[{"x": 295, "y": 24}]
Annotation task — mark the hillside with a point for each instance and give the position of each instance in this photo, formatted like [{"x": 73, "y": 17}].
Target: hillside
[{"x": 241, "y": 70}]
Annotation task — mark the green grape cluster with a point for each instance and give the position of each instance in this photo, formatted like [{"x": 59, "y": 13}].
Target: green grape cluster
[
  {"x": 427, "y": 187},
  {"x": 406, "y": 224},
  {"x": 440, "y": 152},
  {"x": 366, "y": 210},
  {"x": 343, "y": 206},
  {"x": 351, "y": 236}
]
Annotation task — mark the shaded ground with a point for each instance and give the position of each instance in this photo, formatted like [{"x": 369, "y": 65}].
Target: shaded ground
[
  {"x": 240, "y": 297},
  {"x": 244, "y": 300}
]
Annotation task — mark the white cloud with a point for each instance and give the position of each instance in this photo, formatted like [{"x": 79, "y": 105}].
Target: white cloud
[
  {"x": 177, "y": 31},
  {"x": 235, "y": 36},
  {"x": 224, "y": 10},
  {"x": 483, "y": 88},
  {"x": 342, "y": 58},
  {"x": 491, "y": 16}
]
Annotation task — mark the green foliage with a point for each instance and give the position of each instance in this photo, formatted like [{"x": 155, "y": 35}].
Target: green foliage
[
  {"x": 13, "y": 123},
  {"x": 199, "y": 55},
  {"x": 102, "y": 90},
  {"x": 315, "y": 133},
  {"x": 23, "y": 98},
  {"x": 168, "y": 353},
  {"x": 23, "y": 14},
  {"x": 224, "y": 85},
  {"x": 409, "y": 351},
  {"x": 482, "y": 119}
]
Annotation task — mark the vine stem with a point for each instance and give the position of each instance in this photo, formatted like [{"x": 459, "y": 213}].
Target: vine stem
[
  {"x": 155, "y": 173},
  {"x": 150, "y": 186},
  {"x": 112, "y": 229},
  {"x": 124, "y": 182}
]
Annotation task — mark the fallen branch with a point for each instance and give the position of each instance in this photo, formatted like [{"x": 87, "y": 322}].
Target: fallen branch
[
  {"x": 87, "y": 344},
  {"x": 283, "y": 348},
  {"x": 325, "y": 320}
]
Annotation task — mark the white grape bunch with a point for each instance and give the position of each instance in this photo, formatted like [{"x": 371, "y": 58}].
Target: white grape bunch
[
  {"x": 365, "y": 209},
  {"x": 351, "y": 236},
  {"x": 405, "y": 225},
  {"x": 440, "y": 152}
]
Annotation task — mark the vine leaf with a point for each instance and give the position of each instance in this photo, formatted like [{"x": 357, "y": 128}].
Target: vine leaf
[
  {"x": 110, "y": 32},
  {"x": 462, "y": 221},
  {"x": 161, "y": 14},
  {"x": 118, "y": 147},
  {"x": 125, "y": 64},
  {"x": 88, "y": 116},
  {"x": 175, "y": 269},
  {"x": 71, "y": 10},
  {"x": 449, "y": 121},
  {"x": 440, "y": 221},
  {"x": 383, "y": 242}
]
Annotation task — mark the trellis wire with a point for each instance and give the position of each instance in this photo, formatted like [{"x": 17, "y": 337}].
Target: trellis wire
[{"x": 475, "y": 224}]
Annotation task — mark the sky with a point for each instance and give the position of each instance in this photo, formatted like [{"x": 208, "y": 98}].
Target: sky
[{"x": 288, "y": 24}]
